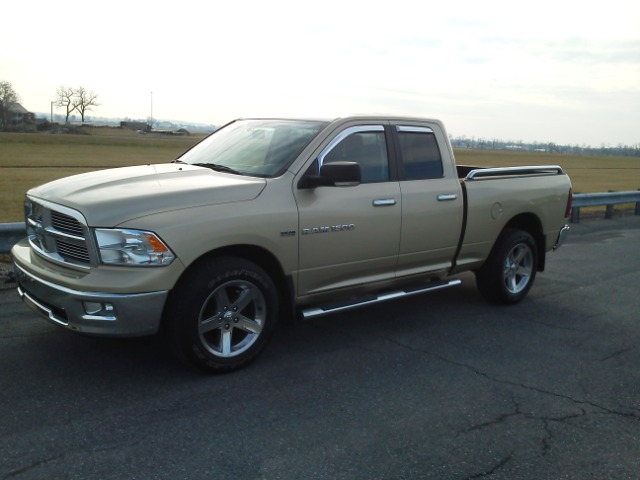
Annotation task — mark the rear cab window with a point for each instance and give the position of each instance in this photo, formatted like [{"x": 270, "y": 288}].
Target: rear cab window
[{"x": 419, "y": 152}]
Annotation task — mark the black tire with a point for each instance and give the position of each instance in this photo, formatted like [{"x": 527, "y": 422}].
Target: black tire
[
  {"x": 508, "y": 274},
  {"x": 220, "y": 316}
]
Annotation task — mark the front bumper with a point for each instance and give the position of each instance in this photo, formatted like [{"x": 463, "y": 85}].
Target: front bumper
[
  {"x": 104, "y": 314},
  {"x": 562, "y": 236}
]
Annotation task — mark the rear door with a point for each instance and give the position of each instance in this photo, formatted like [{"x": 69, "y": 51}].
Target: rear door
[
  {"x": 432, "y": 203},
  {"x": 350, "y": 235}
]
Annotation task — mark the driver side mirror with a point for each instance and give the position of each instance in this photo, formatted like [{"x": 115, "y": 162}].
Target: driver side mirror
[{"x": 334, "y": 174}]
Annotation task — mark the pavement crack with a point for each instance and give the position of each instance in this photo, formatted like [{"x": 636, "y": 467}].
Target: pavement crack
[
  {"x": 525, "y": 386},
  {"x": 546, "y": 425},
  {"x": 493, "y": 469},
  {"x": 34, "y": 464},
  {"x": 615, "y": 354},
  {"x": 630, "y": 414},
  {"x": 495, "y": 421}
]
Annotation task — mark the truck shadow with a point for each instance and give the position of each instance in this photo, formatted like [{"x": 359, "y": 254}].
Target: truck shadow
[
  {"x": 52, "y": 350},
  {"x": 349, "y": 338}
]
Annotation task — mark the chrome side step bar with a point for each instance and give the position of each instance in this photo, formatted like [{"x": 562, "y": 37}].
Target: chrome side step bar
[{"x": 372, "y": 299}]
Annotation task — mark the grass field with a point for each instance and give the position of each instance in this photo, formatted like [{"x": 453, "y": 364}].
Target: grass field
[
  {"x": 588, "y": 174},
  {"x": 27, "y": 160}
]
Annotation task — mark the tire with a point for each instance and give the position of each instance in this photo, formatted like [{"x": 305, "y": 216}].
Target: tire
[
  {"x": 509, "y": 272},
  {"x": 220, "y": 316}
]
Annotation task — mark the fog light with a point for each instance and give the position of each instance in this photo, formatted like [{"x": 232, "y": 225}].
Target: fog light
[
  {"x": 91, "y": 308},
  {"x": 98, "y": 308}
]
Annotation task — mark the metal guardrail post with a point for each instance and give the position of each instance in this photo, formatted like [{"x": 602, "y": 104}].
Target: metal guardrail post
[
  {"x": 575, "y": 215},
  {"x": 575, "y": 210},
  {"x": 608, "y": 213}
]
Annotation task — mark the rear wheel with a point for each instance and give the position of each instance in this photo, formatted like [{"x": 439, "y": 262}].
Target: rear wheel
[
  {"x": 221, "y": 314},
  {"x": 510, "y": 270}
]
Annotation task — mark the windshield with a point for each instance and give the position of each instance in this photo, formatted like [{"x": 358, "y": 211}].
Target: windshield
[{"x": 261, "y": 148}]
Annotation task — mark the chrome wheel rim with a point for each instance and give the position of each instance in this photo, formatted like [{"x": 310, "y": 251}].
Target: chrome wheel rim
[
  {"x": 518, "y": 267},
  {"x": 232, "y": 318}
]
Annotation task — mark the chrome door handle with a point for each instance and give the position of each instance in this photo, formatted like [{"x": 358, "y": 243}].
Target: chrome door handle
[
  {"x": 447, "y": 197},
  {"x": 384, "y": 202}
]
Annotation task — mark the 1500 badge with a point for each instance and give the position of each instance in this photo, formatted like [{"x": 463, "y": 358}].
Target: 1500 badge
[{"x": 332, "y": 228}]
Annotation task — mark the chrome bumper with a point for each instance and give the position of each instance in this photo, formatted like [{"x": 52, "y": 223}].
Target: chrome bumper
[
  {"x": 562, "y": 236},
  {"x": 104, "y": 314}
]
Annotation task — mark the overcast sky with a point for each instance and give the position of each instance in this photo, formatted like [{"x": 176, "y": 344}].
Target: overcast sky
[{"x": 551, "y": 71}]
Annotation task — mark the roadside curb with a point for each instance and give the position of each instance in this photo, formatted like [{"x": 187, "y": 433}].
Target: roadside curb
[{"x": 7, "y": 279}]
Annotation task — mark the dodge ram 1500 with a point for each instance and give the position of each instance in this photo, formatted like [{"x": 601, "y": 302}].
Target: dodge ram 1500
[{"x": 267, "y": 218}]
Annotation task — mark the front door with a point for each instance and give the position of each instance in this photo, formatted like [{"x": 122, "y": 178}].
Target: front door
[{"x": 350, "y": 235}]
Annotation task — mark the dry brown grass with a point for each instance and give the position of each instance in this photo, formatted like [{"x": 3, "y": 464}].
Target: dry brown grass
[
  {"x": 27, "y": 160},
  {"x": 588, "y": 174}
]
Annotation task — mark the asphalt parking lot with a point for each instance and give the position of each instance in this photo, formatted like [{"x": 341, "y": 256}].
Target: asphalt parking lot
[{"x": 441, "y": 386}]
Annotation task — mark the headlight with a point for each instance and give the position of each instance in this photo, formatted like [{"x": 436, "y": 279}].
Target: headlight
[{"x": 132, "y": 247}]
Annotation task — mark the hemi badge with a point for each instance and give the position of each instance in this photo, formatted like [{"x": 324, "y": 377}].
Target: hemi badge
[{"x": 288, "y": 233}]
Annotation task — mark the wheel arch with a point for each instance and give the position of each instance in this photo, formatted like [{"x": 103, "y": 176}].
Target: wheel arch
[
  {"x": 531, "y": 223},
  {"x": 261, "y": 257}
]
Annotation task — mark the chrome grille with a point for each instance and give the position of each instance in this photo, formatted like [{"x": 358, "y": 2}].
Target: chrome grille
[
  {"x": 73, "y": 253},
  {"x": 58, "y": 233},
  {"x": 66, "y": 223}
]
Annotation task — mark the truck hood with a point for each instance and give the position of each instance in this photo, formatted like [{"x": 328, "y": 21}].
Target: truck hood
[{"x": 109, "y": 197}]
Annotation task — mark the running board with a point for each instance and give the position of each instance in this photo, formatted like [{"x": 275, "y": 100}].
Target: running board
[{"x": 372, "y": 299}]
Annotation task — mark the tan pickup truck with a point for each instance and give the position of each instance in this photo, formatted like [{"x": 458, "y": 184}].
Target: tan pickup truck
[{"x": 268, "y": 218}]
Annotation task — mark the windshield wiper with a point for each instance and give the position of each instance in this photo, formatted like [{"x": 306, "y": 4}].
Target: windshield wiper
[
  {"x": 218, "y": 168},
  {"x": 178, "y": 161}
]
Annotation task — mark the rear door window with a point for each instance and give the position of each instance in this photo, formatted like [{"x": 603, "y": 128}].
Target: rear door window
[{"x": 421, "y": 157}]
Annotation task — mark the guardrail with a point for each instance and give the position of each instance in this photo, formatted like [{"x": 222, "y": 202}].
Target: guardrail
[
  {"x": 10, "y": 233},
  {"x": 608, "y": 199}
]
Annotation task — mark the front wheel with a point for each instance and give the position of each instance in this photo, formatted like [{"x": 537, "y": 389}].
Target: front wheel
[
  {"x": 510, "y": 269},
  {"x": 221, "y": 314}
]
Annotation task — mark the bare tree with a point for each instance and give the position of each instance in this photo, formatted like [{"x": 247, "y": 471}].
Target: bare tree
[
  {"x": 84, "y": 100},
  {"x": 8, "y": 96},
  {"x": 66, "y": 99}
]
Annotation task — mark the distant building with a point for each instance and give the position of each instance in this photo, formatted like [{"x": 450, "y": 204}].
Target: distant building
[
  {"x": 163, "y": 131},
  {"x": 19, "y": 118},
  {"x": 137, "y": 126}
]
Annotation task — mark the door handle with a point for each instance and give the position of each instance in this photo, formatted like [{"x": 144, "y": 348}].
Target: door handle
[
  {"x": 384, "y": 202},
  {"x": 447, "y": 197}
]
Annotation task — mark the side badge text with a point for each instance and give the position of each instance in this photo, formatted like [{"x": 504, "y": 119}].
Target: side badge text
[{"x": 329, "y": 229}]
